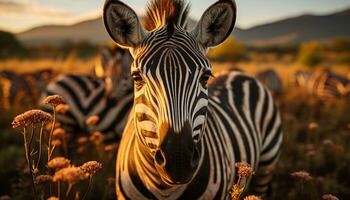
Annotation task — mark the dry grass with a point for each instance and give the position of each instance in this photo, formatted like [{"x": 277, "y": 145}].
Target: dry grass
[{"x": 316, "y": 138}]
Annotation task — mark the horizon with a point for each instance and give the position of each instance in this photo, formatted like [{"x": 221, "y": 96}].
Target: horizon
[{"x": 21, "y": 15}]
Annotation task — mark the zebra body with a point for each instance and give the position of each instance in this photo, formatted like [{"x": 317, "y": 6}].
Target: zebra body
[
  {"x": 184, "y": 133},
  {"x": 86, "y": 96},
  {"x": 108, "y": 96},
  {"x": 271, "y": 80},
  {"x": 243, "y": 125},
  {"x": 324, "y": 83}
]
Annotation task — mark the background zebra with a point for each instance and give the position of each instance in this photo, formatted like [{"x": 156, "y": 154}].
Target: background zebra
[
  {"x": 271, "y": 80},
  {"x": 323, "y": 83},
  {"x": 25, "y": 86},
  {"x": 181, "y": 141},
  {"x": 110, "y": 97}
]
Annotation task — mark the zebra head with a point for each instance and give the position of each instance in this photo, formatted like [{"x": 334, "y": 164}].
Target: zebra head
[
  {"x": 170, "y": 73},
  {"x": 114, "y": 68}
]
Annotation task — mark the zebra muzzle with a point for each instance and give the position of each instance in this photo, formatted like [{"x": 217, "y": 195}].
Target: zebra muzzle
[{"x": 177, "y": 157}]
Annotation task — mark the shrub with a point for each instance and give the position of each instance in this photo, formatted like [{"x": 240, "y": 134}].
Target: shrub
[{"x": 310, "y": 54}]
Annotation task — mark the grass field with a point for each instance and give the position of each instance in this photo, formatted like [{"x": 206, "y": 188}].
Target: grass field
[{"x": 316, "y": 140}]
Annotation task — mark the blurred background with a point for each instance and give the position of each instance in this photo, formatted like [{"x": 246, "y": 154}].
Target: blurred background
[{"x": 299, "y": 49}]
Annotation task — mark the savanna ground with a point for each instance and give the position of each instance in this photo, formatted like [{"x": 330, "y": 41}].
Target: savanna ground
[{"x": 316, "y": 132}]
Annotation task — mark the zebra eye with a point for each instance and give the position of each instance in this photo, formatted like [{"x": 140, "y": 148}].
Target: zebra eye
[
  {"x": 205, "y": 78},
  {"x": 137, "y": 80}
]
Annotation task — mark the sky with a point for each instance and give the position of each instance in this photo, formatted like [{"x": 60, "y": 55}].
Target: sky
[{"x": 20, "y": 15}]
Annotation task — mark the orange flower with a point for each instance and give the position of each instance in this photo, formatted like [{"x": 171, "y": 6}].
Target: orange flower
[
  {"x": 53, "y": 100},
  {"x": 302, "y": 175},
  {"x": 244, "y": 169},
  {"x": 71, "y": 175},
  {"x": 58, "y": 163},
  {"x": 31, "y": 117},
  {"x": 91, "y": 167},
  {"x": 97, "y": 137},
  {"x": 43, "y": 178},
  {"x": 329, "y": 197},
  {"x": 252, "y": 197},
  {"x": 59, "y": 132},
  {"x": 62, "y": 108},
  {"x": 93, "y": 120}
]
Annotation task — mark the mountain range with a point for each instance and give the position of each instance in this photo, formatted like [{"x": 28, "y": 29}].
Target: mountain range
[{"x": 290, "y": 31}]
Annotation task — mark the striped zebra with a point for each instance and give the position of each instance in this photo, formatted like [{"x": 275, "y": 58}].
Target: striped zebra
[
  {"x": 110, "y": 97},
  {"x": 323, "y": 83},
  {"x": 183, "y": 136}
]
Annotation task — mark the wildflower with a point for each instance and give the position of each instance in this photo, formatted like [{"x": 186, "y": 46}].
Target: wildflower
[
  {"x": 328, "y": 142},
  {"x": 110, "y": 147},
  {"x": 62, "y": 108},
  {"x": 97, "y": 137},
  {"x": 5, "y": 197},
  {"x": 302, "y": 175},
  {"x": 244, "y": 169},
  {"x": 82, "y": 140},
  {"x": 53, "y": 198},
  {"x": 91, "y": 167},
  {"x": 313, "y": 126},
  {"x": 59, "y": 132},
  {"x": 329, "y": 197},
  {"x": 43, "y": 178},
  {"x": 93, "y": 120},
  {"x": 56, "y": 143},
  {"x": 53, "y": 100},
  {"x": 30, "y": 118},
  {"x": 71, "y": 175},
  {"x": 252, "y": 197},
  {"x": 58, "y": 163},
  {"x": 311, "y": 153}
]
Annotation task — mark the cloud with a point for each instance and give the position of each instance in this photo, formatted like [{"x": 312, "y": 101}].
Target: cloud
[{"x": 30, "y": 8}]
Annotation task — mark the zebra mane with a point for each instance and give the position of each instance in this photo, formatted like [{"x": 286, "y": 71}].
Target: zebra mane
[{"x": 166, "y": 12}]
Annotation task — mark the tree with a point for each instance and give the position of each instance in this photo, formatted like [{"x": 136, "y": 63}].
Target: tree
[
  {"x": 9, "y": 45},
  {"x": 310, "y": 54}
]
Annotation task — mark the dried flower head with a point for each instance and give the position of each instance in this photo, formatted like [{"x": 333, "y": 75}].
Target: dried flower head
[
  {"x": 328, "y": 143},
  {"x": 71, "y": 175},
  {"x": 93, "y": 120},
  {"x": 43, "y": 179},
  {"x": 110, "y": 147},
  {"x": 56, "y": 143},
  {"x": 252, "y": 197},
  {"x": 5, "y": 197},
  {"x": 302, "y": 175},
  {"x": 329, "y": 197},
  {"x": 82, "y": 140},
  {"x": 53, "y": 198},
  {"x": 97, "y": 137},
  {"x": 313, "y": 126},
  {"x": 54, "y": 100},
  {"x": 31, "y": 117},
  {"x": 58, "y": 163},
  {"x": 62, "y": 108},
  {"x": 91, "y": 167},
  {"x": 59, "y": 132},
  {"x": 244, "y": 169}
]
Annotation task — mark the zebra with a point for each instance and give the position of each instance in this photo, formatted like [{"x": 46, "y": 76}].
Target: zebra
[
  {"x": 271, "y": 80},
  {"x": 323, "y": 83},
  {"x": 183, "y": 136},
  {"x": 110, "y": 97},
  {"x": 29, "y": 84}
]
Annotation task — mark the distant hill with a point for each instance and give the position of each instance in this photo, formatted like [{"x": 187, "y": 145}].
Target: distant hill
[
  {"x": 288, "y": 31},
  {"x": 298, "y": 29}
]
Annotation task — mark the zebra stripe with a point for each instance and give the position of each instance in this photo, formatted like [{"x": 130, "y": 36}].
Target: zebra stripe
[{"x": 86, "y": 97}]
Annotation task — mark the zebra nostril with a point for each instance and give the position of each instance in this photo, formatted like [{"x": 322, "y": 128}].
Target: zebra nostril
[{"x": 159, "y": 158}]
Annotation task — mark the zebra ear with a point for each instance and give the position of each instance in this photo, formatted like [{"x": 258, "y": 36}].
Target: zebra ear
[
  {"x": 216, "y": 24},
  {"x": 122, "y": 24}
]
